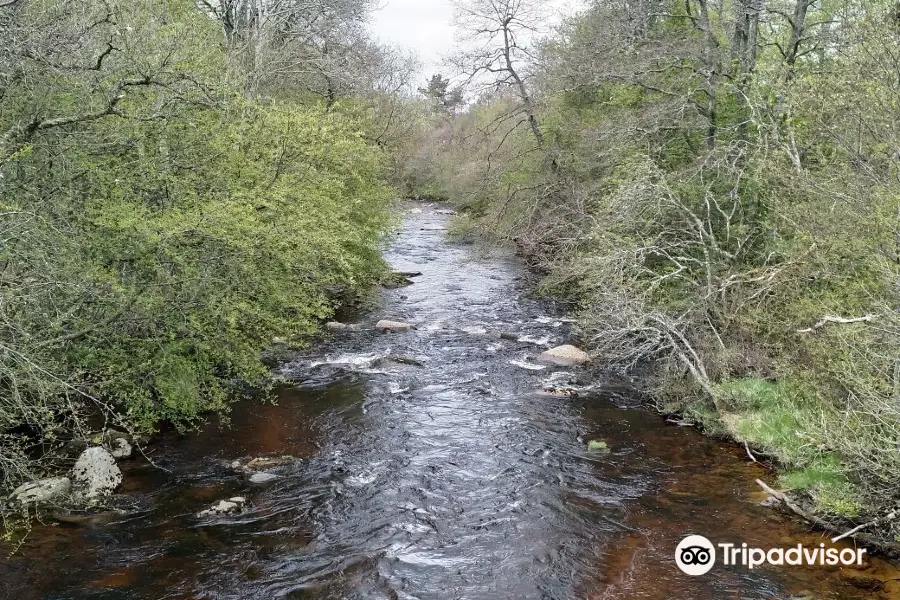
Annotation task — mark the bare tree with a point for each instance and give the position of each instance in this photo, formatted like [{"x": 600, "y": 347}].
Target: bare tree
[
  {"x": 316, "y": 45},
  {"x": 496, "y": 34}
]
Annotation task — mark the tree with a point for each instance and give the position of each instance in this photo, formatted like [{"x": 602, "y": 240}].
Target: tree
[
  {"x": 160, "y": 225},
  {"x": 318, "y": 46},
  {"x": 496, "y": 34},
  {"x": 445, "y": 99}
]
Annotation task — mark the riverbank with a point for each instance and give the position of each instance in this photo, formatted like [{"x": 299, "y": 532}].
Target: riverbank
[
  {"x": 733, "y": 390},
  {"x": 458, "y": 470}
]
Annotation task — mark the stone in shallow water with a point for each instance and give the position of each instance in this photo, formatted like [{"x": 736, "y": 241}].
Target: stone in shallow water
[
  {"x": 42, "y": 490},
  {"x": 121, "y": 448},
  {"x": 597, "y": 446},
  {"x": 232, "y": 506},
  {"x": 565, "y": 356},
  {"x": 96, "y": 473},
  {"x": 393, "y": 326}
]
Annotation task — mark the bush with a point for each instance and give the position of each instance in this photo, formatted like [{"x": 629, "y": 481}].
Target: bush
[{"x": 150, "y": 255}]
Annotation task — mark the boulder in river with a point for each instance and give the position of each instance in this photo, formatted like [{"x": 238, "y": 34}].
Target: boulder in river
[
  {"x": 393, "y": 326},
  {"x": 565, "y": 356},
  {"x": 42, "y": 490},
  {"x": 96, "y": 474},
  {"x": 232, "y": 506},
  {"x": 336, "y": 326}
]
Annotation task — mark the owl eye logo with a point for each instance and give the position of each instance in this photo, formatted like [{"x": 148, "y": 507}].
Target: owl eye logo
[{"x": 695, "y": 555}]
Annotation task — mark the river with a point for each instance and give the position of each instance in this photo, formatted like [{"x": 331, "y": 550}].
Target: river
[{"x": 450, "y": 475}]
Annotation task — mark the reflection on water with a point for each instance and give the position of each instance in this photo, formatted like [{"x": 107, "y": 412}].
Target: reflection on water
[{"x": 426, "y": 465}]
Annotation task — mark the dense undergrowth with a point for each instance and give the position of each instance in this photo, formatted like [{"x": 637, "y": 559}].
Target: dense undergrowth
[
  {"x": 716, "y": 193},
  {"x": 161, "y": 222}
]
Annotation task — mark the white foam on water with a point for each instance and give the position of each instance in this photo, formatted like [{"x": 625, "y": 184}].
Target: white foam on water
[{"x": 526, "y": 365}]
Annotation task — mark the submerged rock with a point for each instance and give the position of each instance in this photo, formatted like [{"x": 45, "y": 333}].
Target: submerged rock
[
  {"x": 598, "y": 446},
  {"x": 96, "y": 474},
  {"x": 87, "y": 517},
  {"x": 42, "y": 490},
  {"x": 335, "y": 326},
  {"x": 266, "y": 462},
  {"x": 565, "y": 356},
  {"x": 121, "y": 448},
  {"x": 393, "y": 326},
  {"x": 232, "y": 506}
]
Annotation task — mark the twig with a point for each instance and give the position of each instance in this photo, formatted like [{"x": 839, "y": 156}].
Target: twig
[
  {"x": 879, "y": 521},
  {"x": 838, "y": 321},
  {"x": 750, "y": 454}
]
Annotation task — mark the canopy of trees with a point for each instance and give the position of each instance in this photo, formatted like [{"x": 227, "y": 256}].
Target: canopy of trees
[{"x": 180, "y": 183}]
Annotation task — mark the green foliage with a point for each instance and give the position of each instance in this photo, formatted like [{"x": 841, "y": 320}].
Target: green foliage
[{"x": 153, "y": 249}]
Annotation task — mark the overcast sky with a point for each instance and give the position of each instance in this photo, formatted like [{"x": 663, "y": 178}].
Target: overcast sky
[{"x": 426, "y": 26}]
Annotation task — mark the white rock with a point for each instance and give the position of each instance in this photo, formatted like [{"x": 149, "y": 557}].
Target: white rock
[
  {"x": 42, "y": 490},
  {"x": 392, "y": 326},
  {"x": 96, "y": 474},
  {"x": 565, "y": 356},
  {"x": 232, "y": 506},
  {"x": 263, "y": 478},
  {"x": 121, "y": 448}
]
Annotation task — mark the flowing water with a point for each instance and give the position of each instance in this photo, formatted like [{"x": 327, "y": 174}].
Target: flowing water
[{"x": 428, "y": 465}]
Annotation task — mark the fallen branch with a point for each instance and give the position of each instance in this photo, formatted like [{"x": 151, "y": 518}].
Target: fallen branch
[
  {"x": 879, "y": 521},
  {"x": 750, "y": 454},
  {"x": 836, "y": 321},
  {"x": 783, "y": 498}
]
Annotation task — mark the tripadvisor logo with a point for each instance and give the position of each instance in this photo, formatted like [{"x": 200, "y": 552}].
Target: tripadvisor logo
[{"x": 696, "y": 555}]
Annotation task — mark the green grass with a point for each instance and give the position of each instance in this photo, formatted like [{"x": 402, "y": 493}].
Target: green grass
[
  {"x": 826, "y": 482},
  {"x": 779, "y": 419},
  {"x": 788, "y": 423}
]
